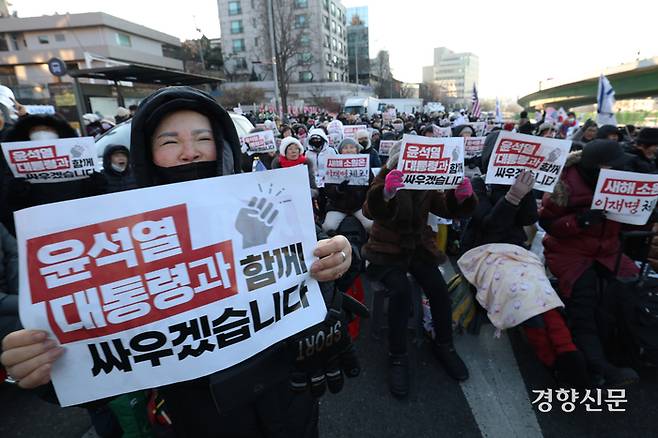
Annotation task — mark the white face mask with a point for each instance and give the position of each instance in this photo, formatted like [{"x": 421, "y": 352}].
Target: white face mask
[
  {"x": 398, "y": 126},
  {"x": 43, "y": 135},
  {"x": 118, "y": 167}
]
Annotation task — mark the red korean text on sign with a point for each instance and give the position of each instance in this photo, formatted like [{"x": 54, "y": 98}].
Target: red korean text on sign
[
  {"x": 342, "y": 163},
  {"x": 105, "y": 278},
  {"x": 37, "y": 159},
  {"x": 613, "y": 186},
  {"x": 420, "y": 158},
  {"x": 518, "y": 153}
]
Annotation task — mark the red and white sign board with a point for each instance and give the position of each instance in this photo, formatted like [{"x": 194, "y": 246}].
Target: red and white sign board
[
  {"x": 473, "y": 146},
  {"x": 350, "y": 131},
  {"x": 385, "y": 147},
  {"x": 51, "y": 161},
  {"x": 513, "y": 153},
  {"x": 441, "y": 132},
  {"x": 431, "y": 163},
  {"x": 354, "y": 168},
  {"x": 259, "y": 142},
  {"x": 155, "y": 286},
  {"x": 627, "y": 197}
]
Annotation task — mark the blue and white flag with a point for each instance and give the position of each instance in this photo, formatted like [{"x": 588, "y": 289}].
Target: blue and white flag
[
  {"x": 499, "y": 114},
  {"x": 605, "y": 113}
]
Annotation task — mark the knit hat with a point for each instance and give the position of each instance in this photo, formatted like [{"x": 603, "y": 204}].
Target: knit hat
[
  {"x": 603, "y": 152},
  {"x": 647, "y": 137},
  {"x": 349, "y": 141},
  {"x": 605, "y": 130},
  {"x": 287, "y": 142}
]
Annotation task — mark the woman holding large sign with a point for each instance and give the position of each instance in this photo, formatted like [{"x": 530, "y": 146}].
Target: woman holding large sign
[{"x": 180, "y": 134}]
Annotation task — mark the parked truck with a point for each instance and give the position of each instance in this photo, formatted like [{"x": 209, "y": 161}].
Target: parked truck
[
  {"x": 407, "y": 106},
  {"x": 368, "y": 106}
]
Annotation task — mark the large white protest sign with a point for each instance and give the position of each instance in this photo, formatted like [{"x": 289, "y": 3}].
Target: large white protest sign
[
  {"x": 154, "y": 286},
  {"x": 354, "y": 168},
  {"x": 51, "y": 161},
  {"x": 473, "y": 146},
  {"x": 627, "y": 197},
  {"x": 259, "y": 142},
  {"x": 514, "y": 153},
  {"x": 430, "y": 163},
  {"x": 385, "y": 147},
  {"x": 350, "y": 131}
]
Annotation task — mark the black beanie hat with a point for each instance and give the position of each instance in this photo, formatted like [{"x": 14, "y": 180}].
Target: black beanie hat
[
  {"x": 605, "y": 130},
  {"x": 647, "y": 137},
  {"x": 603, "y": 152}
]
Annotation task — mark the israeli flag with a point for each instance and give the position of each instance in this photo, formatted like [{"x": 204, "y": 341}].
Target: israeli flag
[
  {"x": 499, "y": 114},
  {"x": 605, "y": 113}
]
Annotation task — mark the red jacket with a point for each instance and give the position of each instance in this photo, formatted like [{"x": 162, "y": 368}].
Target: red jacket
[{"x": 569, "y": 249}]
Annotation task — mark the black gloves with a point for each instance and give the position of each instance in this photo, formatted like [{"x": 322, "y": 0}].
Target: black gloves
[
  {"x": 324, "y": 352},
  {"x": 343, "y": 186},
  {"x": 590, "y": 217}
]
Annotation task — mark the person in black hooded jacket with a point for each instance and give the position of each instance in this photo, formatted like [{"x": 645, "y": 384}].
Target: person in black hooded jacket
[
  {"x": 20, "y": 193},
  {"x": 181, "y": 134},
  {"x": 116, "y": 169},
  {"x": 500, "y": 216}
]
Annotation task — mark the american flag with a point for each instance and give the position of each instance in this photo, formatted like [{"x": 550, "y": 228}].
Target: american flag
[{"x": 475, "y": 109}]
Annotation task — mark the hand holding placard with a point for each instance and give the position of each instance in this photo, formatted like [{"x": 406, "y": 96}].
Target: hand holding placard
[{"x": 392, "y": 183}]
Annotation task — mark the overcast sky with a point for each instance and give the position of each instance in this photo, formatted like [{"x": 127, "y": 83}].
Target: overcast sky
[{"x": 519, "y": 43}]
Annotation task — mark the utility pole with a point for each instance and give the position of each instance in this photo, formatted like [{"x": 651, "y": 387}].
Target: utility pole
[{"x": 273, "y": 47}]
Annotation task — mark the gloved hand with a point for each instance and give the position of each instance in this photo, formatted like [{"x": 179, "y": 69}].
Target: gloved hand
[
  {"x": 590, "y": 217},
  {"x": 521, "y": 187},
  {"x": 343, "y": 186},
  {"x": 324, "y": 352},
  {"x": 392, "y": 183},
  {"x": 464, "y": 190}
]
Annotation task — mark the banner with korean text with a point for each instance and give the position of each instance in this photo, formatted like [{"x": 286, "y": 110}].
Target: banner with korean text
[
  {"x": 627, "y": 197},
  {"x": 430, "y": 163},
  {"x": 513, "y": 153},
  {"x": 354, "y": 168},
  {"x": 259, "y": 142},
  {"x": 154, "y": 286},
  {"x": 51, "y": 161}
]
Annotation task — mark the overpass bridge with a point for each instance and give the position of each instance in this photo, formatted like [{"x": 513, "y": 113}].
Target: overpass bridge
[{"x": 630, "y": 81}]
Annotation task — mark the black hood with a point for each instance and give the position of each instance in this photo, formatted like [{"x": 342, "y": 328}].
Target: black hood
[
  {"x": 165, "y": 101},
  {"x": 457, "y": 130},
  {"x": 21, "y": 129},
  {"x": 109, "y": 150},
  {"x": 487, "y": 150}
]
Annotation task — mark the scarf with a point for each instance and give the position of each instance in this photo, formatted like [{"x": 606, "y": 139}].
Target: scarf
[{"x": 289, "y": 163}]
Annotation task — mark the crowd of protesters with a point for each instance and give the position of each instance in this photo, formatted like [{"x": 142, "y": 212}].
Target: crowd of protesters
[{"x": 491, "y": 226}]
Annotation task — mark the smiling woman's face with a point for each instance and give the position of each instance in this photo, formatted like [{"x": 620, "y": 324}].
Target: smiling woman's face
[{"x": 183, "y": 137}]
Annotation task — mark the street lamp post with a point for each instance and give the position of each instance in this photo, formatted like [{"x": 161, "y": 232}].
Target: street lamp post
[{"x": 274, "y": 72}]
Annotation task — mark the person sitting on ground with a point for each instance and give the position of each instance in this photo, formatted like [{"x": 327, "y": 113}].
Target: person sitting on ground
[
  {"x": 344, "y": 199},
  {"x": 291, "y": 153},
  {"x": 581, "y": 248},
  {"x": 510, "y": 282},
  {"x": 402, "y": 242}
]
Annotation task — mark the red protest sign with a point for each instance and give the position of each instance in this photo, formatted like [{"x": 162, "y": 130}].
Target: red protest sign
[{"x": 108, "y": 277}]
